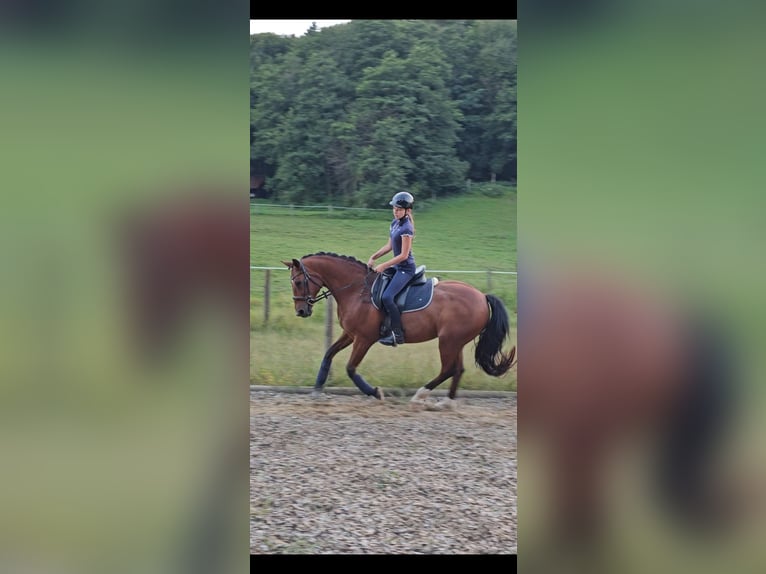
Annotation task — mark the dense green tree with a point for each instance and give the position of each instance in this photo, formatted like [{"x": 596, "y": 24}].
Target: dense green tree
[
  {"x": 483, "y": 58},
  {"x": 500, "y": 129},
  {"x": 265, "y": 49},
  {"x": 406, "y": 126},
  {"x": 438, "y": 169},
  {"x": 271, "y": 94},
  {"x": 306, "y": 130},
  {"x": 363, "y": 43},
  {"x": 351, "y": 113},
  {"x": 496, "y": 62}
]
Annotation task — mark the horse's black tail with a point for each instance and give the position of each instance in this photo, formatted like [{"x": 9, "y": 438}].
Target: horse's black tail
[{"x": 489, "y": 355}]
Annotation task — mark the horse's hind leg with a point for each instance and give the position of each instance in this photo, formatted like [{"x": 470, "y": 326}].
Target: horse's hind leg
[
  {"x": 449, "y": 360},
  {"x": 357, "y": 354},
  {"x": 458, "y": 373},
  {"x": 324, "y": 369},
  {"x": 449, "y": 403}
]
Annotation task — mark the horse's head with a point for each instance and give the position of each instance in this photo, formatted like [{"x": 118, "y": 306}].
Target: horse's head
[{"x": 305, "y": 287}]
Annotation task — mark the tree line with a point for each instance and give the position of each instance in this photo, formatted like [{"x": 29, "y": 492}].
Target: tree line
[{"x": 350, "y": 114}]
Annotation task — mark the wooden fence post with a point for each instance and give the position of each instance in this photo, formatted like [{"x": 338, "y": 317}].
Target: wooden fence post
[
  {"x": 266, "y": 294},
  {"x": 328, "y": 321}
]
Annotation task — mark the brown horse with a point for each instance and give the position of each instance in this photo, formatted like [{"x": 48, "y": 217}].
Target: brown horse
[{"x": 457, "y": 314}]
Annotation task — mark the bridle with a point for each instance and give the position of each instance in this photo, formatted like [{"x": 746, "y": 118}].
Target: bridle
[{"x": 308, "y": 278}]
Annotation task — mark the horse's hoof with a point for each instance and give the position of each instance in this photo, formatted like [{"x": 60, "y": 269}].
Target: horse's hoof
[
  {"x": 317, "y": 394},
  {"x": 379, "y": 394},
  {"x": 418, "y": 405},
  {"x": 446, "y": 404}
]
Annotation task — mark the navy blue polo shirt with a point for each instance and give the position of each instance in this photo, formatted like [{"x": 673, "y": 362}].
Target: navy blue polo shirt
[{"x": 400, "y": 227}]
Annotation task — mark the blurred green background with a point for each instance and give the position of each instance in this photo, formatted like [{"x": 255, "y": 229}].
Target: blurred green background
[
  {"x": 109, "y": 466},
  {"x": 640, "y": 133}
]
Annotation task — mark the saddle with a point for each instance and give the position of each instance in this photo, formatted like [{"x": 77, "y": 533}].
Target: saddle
[{"x": 416, "y": 295}]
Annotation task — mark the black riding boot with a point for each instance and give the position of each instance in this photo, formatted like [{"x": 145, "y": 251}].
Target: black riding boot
[{"x": 394, "y": 338}]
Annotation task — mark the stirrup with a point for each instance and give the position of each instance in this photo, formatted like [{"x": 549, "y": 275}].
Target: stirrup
[
  {"x": 392, "y": 340},
  {"x": 389, "y": 340}
]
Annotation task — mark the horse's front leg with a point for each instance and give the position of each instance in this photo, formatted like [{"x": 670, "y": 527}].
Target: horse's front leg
[
  {"x": 324, "y": 369},
  {"x": 361, "y": 346}
]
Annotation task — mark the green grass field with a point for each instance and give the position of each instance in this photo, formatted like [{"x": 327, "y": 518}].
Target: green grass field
[{"x": 472, "y": 232}]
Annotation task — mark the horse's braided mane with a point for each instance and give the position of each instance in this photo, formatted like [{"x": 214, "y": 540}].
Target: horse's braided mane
[{"x": 344, "y": 257}]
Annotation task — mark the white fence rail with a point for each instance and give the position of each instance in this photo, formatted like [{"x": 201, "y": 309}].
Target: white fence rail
[
  {"x": 252, "y": 267},
  {"x": 326, "y": 210},
  {"x": 267, "y": 283},
  {"x": 488, "y": 272},
  {"x": 322, "y": 207}
]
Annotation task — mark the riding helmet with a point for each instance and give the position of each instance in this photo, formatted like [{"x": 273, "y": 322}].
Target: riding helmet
[{"x": 403, "y": 199}]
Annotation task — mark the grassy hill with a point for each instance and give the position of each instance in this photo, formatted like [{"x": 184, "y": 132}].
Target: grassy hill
[{"x": 472, "y": 232}]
